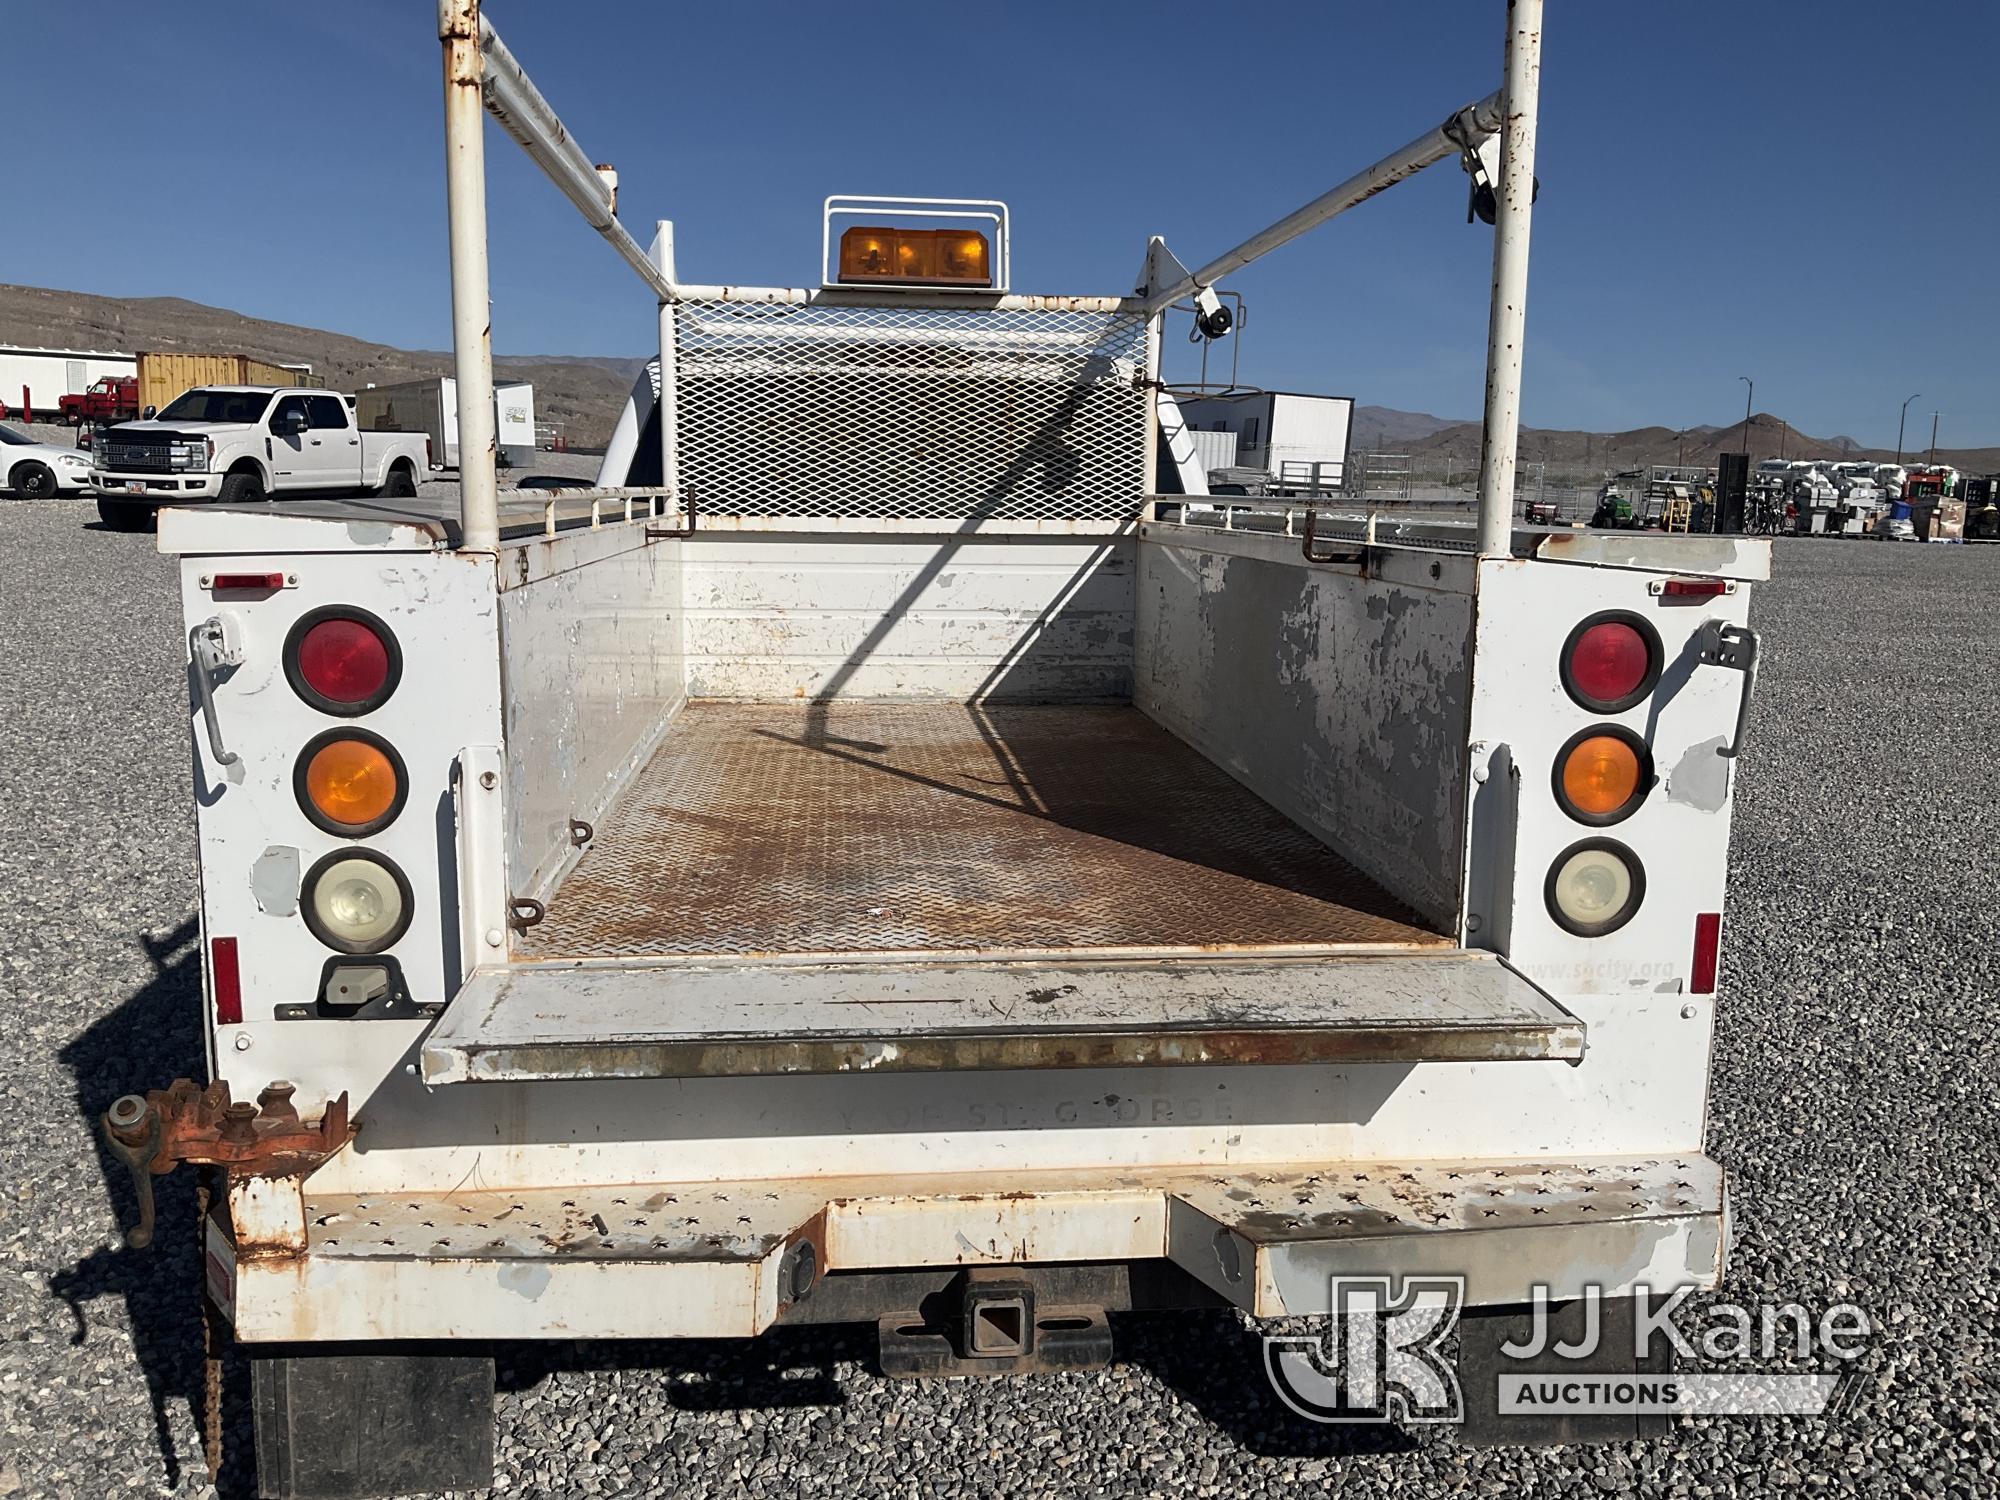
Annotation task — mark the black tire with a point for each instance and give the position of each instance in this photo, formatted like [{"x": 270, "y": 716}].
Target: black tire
[
  {"x": 242, "y": 487},
  {"x": 121, "y": 516},
  {"x": 33, "y": 481},
  {"x": 399, "y": 485}
]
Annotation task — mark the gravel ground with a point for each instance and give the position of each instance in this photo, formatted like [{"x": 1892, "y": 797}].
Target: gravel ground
[{"x": 1854, "y": 1078}]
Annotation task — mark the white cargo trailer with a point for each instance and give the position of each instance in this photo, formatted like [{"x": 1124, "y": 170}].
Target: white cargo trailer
[
  {"x": 938, "y": 871},
  {"x": 1301, "y": 441},
  {"x": 431, "y": 407},
  {"x": 1214, "y": 448},
  {"x": 39, "y": 378}
]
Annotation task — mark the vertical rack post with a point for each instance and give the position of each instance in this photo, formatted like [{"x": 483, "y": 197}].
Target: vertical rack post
[
  {"x": 471, "y": 312},
  {"x": 662, "y": 257},
  {"x": 1508, "y": 318}
]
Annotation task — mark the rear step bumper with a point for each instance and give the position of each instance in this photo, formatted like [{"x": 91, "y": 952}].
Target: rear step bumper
[
  {"x": 716, "y": 1019},
  {"x": 730, "y": 1259}
]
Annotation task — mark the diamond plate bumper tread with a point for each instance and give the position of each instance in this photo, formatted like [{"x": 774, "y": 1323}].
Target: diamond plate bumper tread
[{"x": 836, "y": 828}]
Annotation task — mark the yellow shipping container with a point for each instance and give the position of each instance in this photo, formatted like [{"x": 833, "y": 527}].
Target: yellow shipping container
[{"x": 164, "y": 375}]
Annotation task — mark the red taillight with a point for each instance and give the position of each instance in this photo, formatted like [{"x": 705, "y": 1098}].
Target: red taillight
[
  {"x": 1707, "y": 952},
  {"x": 1693, "y": 588},
  {"x": 261, "y": 582},
  {"x": 1610, "y": 662},
  {"x": 343, "y": 661},
  {"x": 225, "y": 977}
]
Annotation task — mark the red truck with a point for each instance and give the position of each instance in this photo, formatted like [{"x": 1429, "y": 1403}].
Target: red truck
[{"x": 113, "y": 398}]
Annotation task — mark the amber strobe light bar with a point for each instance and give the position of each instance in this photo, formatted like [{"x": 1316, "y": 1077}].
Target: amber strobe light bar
[
  {"x": 953, "y": 244},
  {"x": 915, "y": 257}
]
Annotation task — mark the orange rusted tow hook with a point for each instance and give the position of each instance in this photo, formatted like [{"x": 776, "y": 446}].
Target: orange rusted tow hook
[{"x": 185, "y": 1122}]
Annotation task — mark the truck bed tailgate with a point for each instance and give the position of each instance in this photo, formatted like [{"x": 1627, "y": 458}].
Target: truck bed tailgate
[{"x": 720, "y": 1020}]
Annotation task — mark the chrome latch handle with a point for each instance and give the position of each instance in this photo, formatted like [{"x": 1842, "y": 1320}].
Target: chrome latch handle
[
  {"x": 211, "y": 647},
  {"x": 1733, "y": 647}
]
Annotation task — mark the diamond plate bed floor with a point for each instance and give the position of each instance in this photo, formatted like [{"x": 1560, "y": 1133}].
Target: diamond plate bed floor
[{"x": 869, "y": 828}]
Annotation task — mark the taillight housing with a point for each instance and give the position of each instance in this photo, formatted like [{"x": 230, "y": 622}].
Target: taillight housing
[
  {"x": 1602, "y": 774},
  {"x": 350, "y": 782},
  {"x": 356, "y": 901},
  {"x": 1595, "y": 887},
  {"x": 1611, "y": 661},
  {"x": 343, "y": 660}
]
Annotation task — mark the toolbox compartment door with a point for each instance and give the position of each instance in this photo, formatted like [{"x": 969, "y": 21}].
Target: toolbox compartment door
[{"x": 720, "y": 1019}]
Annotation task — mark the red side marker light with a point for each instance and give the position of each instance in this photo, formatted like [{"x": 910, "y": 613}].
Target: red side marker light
[
  {"x": 258, "y": 582},
  {"x": 1693, "y": 588},
  {"x": 1707, "y": 952},
  {"x": 225, "y": 976}
]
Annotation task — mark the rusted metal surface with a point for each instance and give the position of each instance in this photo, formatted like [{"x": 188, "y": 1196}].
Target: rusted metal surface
[
  {"x": 1310, "y": 533},
  {"x": 685, "y": 1222},
  {"x": 693, "y": 1020},
  {"x": 1742, "y": 558},
  {"x": 835, "y": 827},
  {"x": 185, "y": 1122},
  {"x": 268, "y": 1138},
  {"x": 727, "y": 1259},
  {"x": 767, "y": 296},
  {"x": 1272, "y": 1241}
]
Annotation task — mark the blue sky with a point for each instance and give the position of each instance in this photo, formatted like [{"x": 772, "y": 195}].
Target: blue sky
[{"x": 1802, "y": 191}]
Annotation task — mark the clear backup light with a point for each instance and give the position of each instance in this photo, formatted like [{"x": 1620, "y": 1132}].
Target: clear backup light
[
  {"x": 356, "y": 901},
  {"x": 1595, "y": 887}
]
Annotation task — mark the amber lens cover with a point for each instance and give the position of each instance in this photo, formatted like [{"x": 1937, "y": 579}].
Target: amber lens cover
[
  {"x": 916, "y": 257},
  {"x": 1601, "y": 774},
  {"x": 352, "y": 782}
]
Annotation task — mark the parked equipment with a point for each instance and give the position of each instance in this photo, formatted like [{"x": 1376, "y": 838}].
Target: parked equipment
[
  {"x": 431, "y": 407},
  {"x": 111, "y": 398},
  {"x": 34, "y": 381}
]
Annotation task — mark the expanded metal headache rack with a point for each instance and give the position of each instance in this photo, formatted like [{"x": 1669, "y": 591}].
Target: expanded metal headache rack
[{"x": 925, "y": 406}]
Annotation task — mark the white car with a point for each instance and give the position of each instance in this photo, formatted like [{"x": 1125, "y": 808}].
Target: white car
[{"x": 37, "y": 471}]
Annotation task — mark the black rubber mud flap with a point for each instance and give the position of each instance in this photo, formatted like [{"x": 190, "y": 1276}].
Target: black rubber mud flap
[
  {"x": 362, "y": 1424},
  {"x": 1482, "y": 1364}
]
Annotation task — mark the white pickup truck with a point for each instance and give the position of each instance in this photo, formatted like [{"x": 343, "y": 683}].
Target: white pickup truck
[{"x": 239, "y": 443}]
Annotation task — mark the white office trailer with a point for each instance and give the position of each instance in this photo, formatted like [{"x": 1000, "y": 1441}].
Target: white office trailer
[
  {"x": 38, "y": 379},
  {"x": 1301, "y": 441},
  {"x": 1214, "y": 448},
  {"x": 431, "y": 407}
]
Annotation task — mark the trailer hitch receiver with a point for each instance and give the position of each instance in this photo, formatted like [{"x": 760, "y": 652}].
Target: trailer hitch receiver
[{"x": 154, "y": 1133}]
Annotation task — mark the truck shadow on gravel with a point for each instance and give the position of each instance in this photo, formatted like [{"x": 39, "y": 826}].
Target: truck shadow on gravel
[
  {"x": 154, "y": 1035},
  {"x": 1207, "y": 1358}
]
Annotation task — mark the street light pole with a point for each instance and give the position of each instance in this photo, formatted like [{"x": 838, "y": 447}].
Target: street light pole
[
  {"x": 1748, "y": 397},
  {"x": 1933, "y": 457},
  {"x": 1899, "y": 427}
]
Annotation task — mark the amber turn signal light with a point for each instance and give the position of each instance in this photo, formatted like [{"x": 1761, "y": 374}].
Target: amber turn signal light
[
  {"x": 1602, "y": 774},
  {"x": 350, "y": 782},
  {"x": 915, "y": 257}
]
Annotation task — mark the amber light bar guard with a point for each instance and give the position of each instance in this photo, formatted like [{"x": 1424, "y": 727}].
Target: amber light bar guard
[{"x": 968, "y": 251}]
